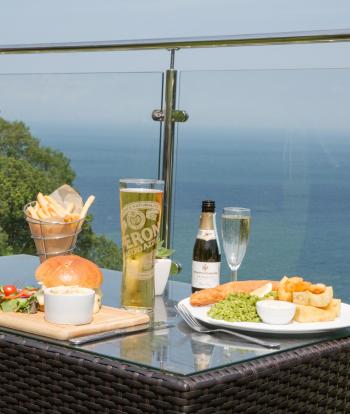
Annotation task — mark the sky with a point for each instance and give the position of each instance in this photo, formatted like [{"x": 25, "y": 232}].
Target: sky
[
  {"x": 45, "y": 21},
  {"x": 37, "y": 98}
]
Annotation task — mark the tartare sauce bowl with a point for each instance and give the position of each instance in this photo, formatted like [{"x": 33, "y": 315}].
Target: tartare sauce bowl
[
  {"x": 69, "y": 307},
  {"x": 275, "y": 312}
]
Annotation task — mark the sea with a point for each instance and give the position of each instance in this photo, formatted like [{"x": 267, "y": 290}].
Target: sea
[{"x": 297, "y": 185}]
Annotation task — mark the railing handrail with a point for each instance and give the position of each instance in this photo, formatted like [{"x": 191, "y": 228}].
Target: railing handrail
[{"x": 321, "y": 36}]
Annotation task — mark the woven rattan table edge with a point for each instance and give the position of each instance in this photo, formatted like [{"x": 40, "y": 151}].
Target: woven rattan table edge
[{"x": 184, "y": 383}]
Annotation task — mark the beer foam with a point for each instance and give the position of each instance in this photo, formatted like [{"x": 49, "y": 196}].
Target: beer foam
[{"x": 140, "y": 190}]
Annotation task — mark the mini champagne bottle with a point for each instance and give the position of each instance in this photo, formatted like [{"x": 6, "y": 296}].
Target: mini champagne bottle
[{"x": 206, "y": 252}]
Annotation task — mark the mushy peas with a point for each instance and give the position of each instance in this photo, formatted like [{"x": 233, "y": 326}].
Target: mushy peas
[{"x": 238, "y": 307}]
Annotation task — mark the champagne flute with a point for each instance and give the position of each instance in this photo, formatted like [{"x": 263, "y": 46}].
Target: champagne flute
[{"x": 235, "y": 227}]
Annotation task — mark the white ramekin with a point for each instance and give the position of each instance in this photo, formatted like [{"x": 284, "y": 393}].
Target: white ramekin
[
  {"x": 275, "y": 312},
  {"x": 69, "y": 309}
]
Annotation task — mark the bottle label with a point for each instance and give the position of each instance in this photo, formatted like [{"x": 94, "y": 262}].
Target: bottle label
[
  {"x": 206, "y": 234},
  {"x": 205, "y": 274}
]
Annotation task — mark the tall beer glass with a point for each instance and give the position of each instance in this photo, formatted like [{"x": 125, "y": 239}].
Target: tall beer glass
[{"x": 140, "y": 213}]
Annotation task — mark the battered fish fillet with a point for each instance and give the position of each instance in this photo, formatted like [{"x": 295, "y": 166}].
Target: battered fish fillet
[{"x": 209, "y": 296}]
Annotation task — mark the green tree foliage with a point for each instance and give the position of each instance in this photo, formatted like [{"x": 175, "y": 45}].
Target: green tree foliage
[
  {"x": 25, "y": 169},
  {"x": 19, "y": 184},
  {"x": 99, "y": 249},
  {"x": 4, "y": 247},
  {"x": 17, "y": 142}
]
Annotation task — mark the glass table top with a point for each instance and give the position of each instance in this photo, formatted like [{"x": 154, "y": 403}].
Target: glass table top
[{"x": 178, "y": 349}]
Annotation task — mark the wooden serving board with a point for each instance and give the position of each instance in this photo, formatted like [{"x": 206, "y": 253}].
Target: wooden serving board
[{"x": 106, "y": 319}]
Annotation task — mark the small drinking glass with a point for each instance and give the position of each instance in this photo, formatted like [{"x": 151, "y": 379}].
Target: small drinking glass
[{"x": 235, "y": 228}]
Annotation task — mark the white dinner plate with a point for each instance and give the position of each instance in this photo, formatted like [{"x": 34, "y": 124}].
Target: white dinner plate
[{"x": 200, "y": 312}]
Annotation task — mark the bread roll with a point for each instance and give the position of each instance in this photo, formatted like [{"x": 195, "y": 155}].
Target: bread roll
[{"x": 70, "y": 270}]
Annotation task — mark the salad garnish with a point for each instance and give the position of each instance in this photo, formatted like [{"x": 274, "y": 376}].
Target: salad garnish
[{"x": 18, "y": 300}]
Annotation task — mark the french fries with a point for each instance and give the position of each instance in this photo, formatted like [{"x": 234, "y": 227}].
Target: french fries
[
  {"x": 54, "y": 206},
  {"x": 47, "y": 208},
  {"x": 87, "y": 205},
  {"x": 55, "y": 221},
  {"x": 314, "y": 302},
  {"x": 68, "y": 218}
]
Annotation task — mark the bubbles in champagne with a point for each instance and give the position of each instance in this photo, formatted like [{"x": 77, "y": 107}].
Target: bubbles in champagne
[{"x": 235, "y": 235}]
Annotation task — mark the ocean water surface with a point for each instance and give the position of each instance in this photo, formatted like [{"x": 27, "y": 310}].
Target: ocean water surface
[
  {"x": 275, "y": 141},
  {"x": 297, "y": 186}
]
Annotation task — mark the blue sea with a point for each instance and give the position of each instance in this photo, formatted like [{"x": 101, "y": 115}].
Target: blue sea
[{"x": 296, "y": 184}]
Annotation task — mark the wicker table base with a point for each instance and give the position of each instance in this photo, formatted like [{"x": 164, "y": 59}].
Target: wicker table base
[{"x": 37, "y": 377}]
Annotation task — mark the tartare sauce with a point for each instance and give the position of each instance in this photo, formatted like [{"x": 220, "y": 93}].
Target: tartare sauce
[{"x": 68, "y": 290}]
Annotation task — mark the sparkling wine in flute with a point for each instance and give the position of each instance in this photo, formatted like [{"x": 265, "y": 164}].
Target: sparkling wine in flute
[
  {"x": 235, "y": 226},
  {"x": 140, "y": 214}
]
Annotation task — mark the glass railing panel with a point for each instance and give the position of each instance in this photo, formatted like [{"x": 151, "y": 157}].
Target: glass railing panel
[
  {"x": 275, "y": 141},
  {"x": 101, "y": 122}
]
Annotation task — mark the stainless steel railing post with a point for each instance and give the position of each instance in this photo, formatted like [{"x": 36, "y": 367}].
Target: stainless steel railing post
[
  {"x": 168, "y": 150},
  {"x": 170, "y": 116},
  {"x": 168, "y": 154}
]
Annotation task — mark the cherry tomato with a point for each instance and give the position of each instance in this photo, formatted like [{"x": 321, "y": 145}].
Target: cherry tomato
[{"x": 9, "y": 290}]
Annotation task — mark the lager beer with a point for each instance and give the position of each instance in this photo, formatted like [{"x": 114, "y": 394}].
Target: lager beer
[{"x": 140, "y": 214}]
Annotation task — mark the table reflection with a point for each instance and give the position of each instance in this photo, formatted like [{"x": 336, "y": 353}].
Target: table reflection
[
  {"x": 202, "y": 354},
  {"x": 137, "y": 348}
]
